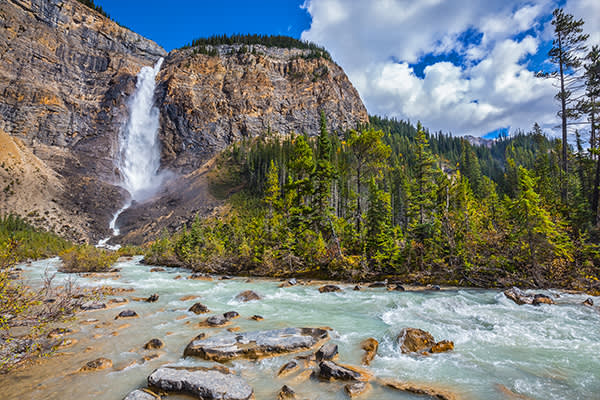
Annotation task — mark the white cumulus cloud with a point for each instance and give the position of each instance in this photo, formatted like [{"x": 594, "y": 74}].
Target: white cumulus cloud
[{"x": 377, "y": 41}]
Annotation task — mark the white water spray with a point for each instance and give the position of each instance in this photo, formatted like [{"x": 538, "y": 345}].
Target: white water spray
[{"x": 139, "y": 149}]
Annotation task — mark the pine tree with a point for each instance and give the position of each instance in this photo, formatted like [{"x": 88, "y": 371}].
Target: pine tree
[
  {"x": 322, "y": 179},
  {"x": 568, "y": 43},
  {"x": 369, "y": 153},
  {"x": 536, "y": 233},
  {"x": 379, "y": 242}
]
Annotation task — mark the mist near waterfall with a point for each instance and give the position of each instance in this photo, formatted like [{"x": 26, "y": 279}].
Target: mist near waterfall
[{"x": 139, "y": 148}]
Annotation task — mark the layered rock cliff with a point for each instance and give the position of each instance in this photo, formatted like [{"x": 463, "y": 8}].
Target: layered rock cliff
[
  {"x": 66, "y": 73},
  {"x": 207, "y": 102}
]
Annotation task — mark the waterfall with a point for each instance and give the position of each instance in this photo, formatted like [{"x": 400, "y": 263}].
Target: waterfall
[
  {"x": 139, "y": 149},
  {"x": 139, "y": 155}
]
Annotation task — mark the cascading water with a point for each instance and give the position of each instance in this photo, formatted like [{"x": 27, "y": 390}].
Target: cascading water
[{"x": 139, "y": 150}]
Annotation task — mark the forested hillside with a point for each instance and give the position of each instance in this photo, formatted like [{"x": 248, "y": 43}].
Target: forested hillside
[{"x": 392, "y": 200}]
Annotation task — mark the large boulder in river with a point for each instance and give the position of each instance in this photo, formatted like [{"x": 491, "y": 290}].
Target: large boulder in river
[
  {"x": 370, "y": 347},
  {"x": 518, "y": 296},
  {"x": 142, "y": 395},
  {"x": 327, "y": 352},
  {"x": 329, "y": 289},
  {"x": 199, "y": 308},
  {"x": 255, "y": 345},
  {"x": 413, "y": 340},
  {"x": 247, "y": 295},
  {"x": 329, "y": 370},
  {"x": 203, "y": 383}
]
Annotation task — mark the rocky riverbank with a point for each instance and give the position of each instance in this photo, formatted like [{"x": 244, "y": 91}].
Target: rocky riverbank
[{"x": 287, "y": 338}]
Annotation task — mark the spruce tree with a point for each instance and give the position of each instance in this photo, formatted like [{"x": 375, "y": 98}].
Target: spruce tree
[
  {"x": 322, "y": 178},
  {"x": 568, "y": 43}
]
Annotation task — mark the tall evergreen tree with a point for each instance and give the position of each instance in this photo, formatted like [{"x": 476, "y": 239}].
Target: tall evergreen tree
[
  {"x": 568, "y": 44},
  {"x": 322, "y": 178},
  {"x": 369, "y": 153}
]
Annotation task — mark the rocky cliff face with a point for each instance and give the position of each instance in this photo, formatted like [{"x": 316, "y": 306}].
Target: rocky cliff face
[
  {"x": 66, "y": 73},
  {"x": 207, "y": 102}
]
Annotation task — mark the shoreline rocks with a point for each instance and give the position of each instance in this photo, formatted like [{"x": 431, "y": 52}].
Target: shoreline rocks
[
  {"x": 520, "y": 297},
  {"x": 256, "y": 345},
  {"x": 329, "y": 289}
]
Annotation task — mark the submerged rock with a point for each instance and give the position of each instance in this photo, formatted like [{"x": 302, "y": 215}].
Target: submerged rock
[
  {"x": 257, "y": 317},
  {"x": 286, "y": 393},
  {"x": 329, "y": 288},
  {"x": 200, "y": 277},
  {"x": 247, "y": 295},
  {"x": 288, "y": 368},
  {"x": 518, "y": 296},
  {"x": 217, "y": 320},
  {"x": 421, "y": 389},
  {"x": 370, "y": 347},
  {"x": 127, "y": 314},
  {"x": 142, "y": 395},
  {"x": 152, "y": 299},
  {"x": 199, "y": 308},
  {"x": 203, "y": 383},
  {"x": 157, "y": 269},
  {"x": 356, "y": 389},
  {"x": 255, "y": 345},
  {"x": 154, "y": 344},
  {"x": 96, "y": 365},
  {"x": 541, "y": 299},
  {"x": 92, "y": 305},
  {"x": 442, "y": 346},
  {"x": 327, "y": 352},
  {"x": 231, "y": 315}
]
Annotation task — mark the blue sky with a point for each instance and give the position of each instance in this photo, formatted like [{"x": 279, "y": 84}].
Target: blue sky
[
  {"x": 460, "y": 66},
  {"x": 173, "y": 24}
]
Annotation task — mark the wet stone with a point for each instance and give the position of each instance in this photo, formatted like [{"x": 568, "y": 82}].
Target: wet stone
[
  {"x": 327, "y": 352},
  {"x": 127, "y": 314},
  {"x": 231, "y": 315},
  {"x": 355, "y": 389},
  {"x": 142, "y": 395},
  {"x": 331, "y": 371},
  {"x": 286, "y": 393},
  {"x": 154, "y": 344},
  {"x": 96, "y": 365},
  {"x": 92, "y": 305},
  {"x": 329, "y": 289},
  {"x": 203, "y": 383},
  {"x": 288, "y": 368},
  {"x": 247, "y": 295},
  {"x": 199, "y": 308},
  {"x": 255, "y": 345}
]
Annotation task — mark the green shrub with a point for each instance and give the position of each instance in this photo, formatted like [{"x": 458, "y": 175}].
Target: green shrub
[{"x": 86, "y": 258}]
